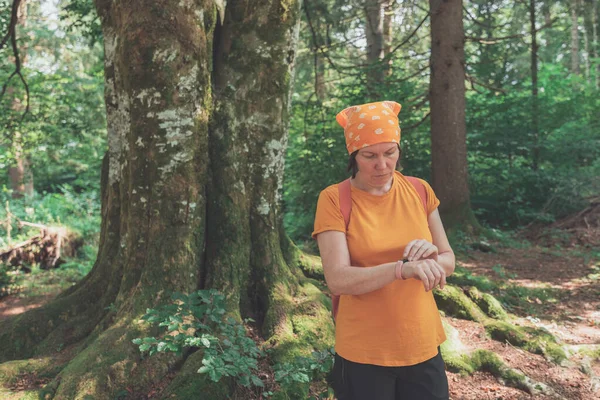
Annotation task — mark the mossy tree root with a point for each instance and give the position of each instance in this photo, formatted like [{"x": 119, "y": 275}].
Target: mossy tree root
[
  {"x": 488, "y": 304},
  {"x": 110, "y": 366},
  {"x": 457, "y": 360},
  {"x": 453, "y": 301},
  {"x": 310, "y": 265}
]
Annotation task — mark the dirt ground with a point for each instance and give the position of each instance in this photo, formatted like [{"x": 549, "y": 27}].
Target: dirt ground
[
  {"x": 571, "y": 312},
  {"x": 572, "y": 315}
]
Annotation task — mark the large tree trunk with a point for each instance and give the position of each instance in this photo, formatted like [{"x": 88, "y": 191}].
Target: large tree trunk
[
  {"x": 448, "y": 125},
  {"x": 191, "y": 194}
]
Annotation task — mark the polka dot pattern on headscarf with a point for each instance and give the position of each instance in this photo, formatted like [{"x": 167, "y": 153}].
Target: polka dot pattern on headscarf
[{"x": 368, "y": 124}]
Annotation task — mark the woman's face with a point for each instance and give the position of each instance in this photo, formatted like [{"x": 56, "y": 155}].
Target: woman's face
[{"x": 376, "y": 164}]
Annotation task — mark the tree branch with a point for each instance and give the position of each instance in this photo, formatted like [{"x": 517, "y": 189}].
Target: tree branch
[
  {"x": 494, "y": 40},
  {"x": 12, "y": 35},
  {"x": 475, "y": 81},
  {"x": 408, "y": 128},
  {"x": 413, "y": 33}
]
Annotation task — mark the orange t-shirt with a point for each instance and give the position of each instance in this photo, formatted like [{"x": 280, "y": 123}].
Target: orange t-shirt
[{"x": 399, "y": 324}]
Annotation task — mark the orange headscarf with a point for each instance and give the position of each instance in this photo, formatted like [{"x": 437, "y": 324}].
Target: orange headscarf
[{"x": 369, "y": 124}]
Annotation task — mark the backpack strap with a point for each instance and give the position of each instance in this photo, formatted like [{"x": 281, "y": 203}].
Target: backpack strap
[
  {"x": 420, "y": 188},
  {"x": 345, "y": 200}
]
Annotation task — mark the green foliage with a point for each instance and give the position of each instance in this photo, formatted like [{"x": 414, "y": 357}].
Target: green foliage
[
  {"x": 79, "y": 211},
  {"x": 506, "y": 189},
  {"x": 199, "y": 321},
  {"x": 517, "y": 175},
  {"x": 8, "y": 284},
  {"x": 81, "y": 17},
  {"x": 304, "y": 369},
  {"x": 63, "y": 136}
]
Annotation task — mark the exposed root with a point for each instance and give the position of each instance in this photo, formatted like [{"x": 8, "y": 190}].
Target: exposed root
[
  {"x": 457, "y": 360},
  {"x": 488, "y": 304},
  {"x": 310, "y": 265},
  {"x": 110, "y": 366},
  {"x": 454, "y": 302}
]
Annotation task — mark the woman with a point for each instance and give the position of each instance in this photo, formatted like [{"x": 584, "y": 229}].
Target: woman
[{"x": 384, "y": 265}]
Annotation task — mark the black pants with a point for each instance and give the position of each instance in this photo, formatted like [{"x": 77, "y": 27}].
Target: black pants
[{"x": 423, "y": 381}]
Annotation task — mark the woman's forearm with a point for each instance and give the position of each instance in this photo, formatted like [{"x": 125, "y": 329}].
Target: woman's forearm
[
  {"x": 447, "y": 262},
  {"x": 356, "y": 280}
]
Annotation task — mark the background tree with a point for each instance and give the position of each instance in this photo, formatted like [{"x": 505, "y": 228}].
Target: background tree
[{"x": 448, "y": 126}]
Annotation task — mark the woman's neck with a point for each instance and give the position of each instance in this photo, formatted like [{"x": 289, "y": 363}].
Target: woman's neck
[{"x": 374, "y": 190}]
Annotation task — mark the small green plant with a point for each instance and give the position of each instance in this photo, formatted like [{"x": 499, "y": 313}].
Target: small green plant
[
  {"x": 199, "y": 320},
  {"x": 305, "y": 369},
  {"x": 501, "y": 272}
]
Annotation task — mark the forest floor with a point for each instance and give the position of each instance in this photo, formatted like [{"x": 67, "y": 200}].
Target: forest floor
[
  {"x": 560, "y": 293},
  {"x": 549, "y": 284}
]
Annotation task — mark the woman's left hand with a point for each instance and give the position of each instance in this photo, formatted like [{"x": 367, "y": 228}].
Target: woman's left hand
[{"x": 420, "y": 249}]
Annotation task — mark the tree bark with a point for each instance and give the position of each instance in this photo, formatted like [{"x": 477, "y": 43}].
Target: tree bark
[
  {"x": 374, "y": 16},
  {"x": 595, "y": 43},
  {"x": 191, "y": 194},
  {"x": 20, "y": 174},
  {"x": 586, "y": 40},
  {"x": 448, "y": 125},
  {"x": 534, "y": 88},
  {"x": 574, "y": 39},
  {"x": 388, "y": 32}
]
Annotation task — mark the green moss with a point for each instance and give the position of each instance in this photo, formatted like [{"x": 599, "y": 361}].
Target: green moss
[
  {"x": 545, "y": 343},
  {"x": 7, "y": 394},
  {"x": 463, "y": 277},
  {"x": 46, "y": 367},
  {"x": 310, "y": 265},
  {"x": 453, "y": 352},
  {"x": 298, "y": 325},
  {"x": 189, "y": 384},
  {"x": 506, "y": 332},
  {"x": 454, "y": 302},
  {"x": 487, "y": 303}
]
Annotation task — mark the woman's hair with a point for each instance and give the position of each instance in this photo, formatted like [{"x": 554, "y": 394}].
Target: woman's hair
[{"x": 353, "y": 166}]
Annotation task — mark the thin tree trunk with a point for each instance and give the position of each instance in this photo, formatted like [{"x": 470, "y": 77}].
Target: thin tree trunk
[
  {"x": 320, "y": 77},
  {"x": 586, "y": 41},
  {"x": 448, "y": 125},
  {"x": 574, "y": 39},
  {"x": 20, "y": 175},
  {"x": 595, "y": 43},
  {"x": 374, "y": 10},
  {"x": 388, "y": 31},
  {"x": 534, "y": 86}
]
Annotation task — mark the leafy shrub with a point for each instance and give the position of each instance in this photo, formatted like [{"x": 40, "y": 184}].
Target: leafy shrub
[{"x": 199, "y": 320}]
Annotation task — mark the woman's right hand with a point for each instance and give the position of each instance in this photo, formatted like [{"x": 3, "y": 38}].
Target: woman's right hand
[{"x": 427, "y": 271}]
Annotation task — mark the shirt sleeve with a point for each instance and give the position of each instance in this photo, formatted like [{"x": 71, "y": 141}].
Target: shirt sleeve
[
  {"x": 432, "y": 201},
  {"x": 329, "y": 216}
]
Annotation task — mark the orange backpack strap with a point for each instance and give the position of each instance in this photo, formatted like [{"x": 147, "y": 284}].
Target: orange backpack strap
[
  {"x": 420, "y": 188},
  {"x": 345, "y": 200}
]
